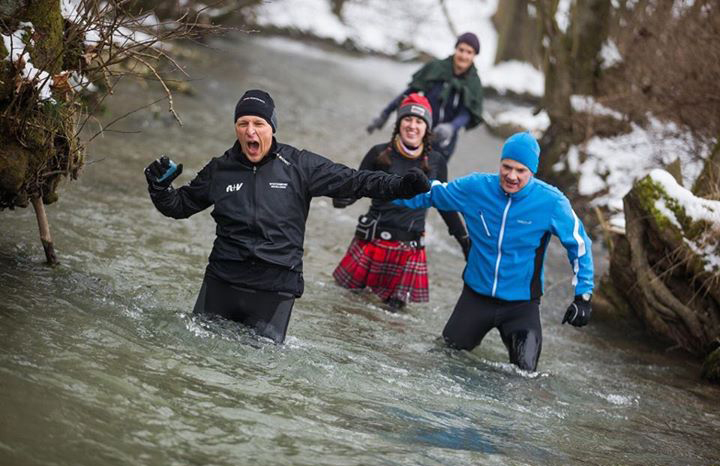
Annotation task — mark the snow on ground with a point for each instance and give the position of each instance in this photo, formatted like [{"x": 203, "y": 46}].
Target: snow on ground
[
  {"x": 587, "y": 104},
  {"x": 609, "y": 54},
  {"x": 392, "y": 27},
  {"x": 608, "y": 167},
  {"x": 525, "y": 118},
  {"x": 707, "y": 246}
]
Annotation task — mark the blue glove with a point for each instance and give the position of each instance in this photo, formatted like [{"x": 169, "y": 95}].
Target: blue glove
[
  {"x": 578, "y": 313},
  {"x": 161, "y": 173},
  {"x": 443, "y": 133}
]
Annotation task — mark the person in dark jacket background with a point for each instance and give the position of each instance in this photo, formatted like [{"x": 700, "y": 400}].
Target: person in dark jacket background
[
  {"x": 453, "y": 87},
  {"x": 260, "y": 191},
  {"x": 387, "y": 253}
]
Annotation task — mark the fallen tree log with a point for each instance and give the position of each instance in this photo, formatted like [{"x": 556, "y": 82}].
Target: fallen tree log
[{"x": 666, "y": 268}]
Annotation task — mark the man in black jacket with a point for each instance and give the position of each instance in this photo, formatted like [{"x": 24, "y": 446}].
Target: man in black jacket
[{"x": 260, "y": 191}]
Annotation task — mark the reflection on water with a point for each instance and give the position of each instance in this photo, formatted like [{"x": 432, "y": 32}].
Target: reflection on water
[{"x": 102, "y": 362}]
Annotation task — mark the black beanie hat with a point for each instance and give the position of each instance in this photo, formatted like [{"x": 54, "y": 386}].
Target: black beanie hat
[
  {"x": 470, "y": 39},
  {"x": 258, "y": 103}
]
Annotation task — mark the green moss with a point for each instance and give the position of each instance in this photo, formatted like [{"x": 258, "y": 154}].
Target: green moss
[
  {"x": 74, "y": 47},
  {"x": 48, "y": 145},
  {"x": 49, "y": 28},
  {"x": 34, "y": 156},
  {"x": 649, "y": 192},
  {"x": 13, "y": 167}
]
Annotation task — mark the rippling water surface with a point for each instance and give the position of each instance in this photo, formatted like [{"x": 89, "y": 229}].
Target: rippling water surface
[{"x": 102, "y": 362}]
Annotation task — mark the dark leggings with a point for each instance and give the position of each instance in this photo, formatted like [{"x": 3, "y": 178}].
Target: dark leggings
[
  {"x": 267, "y": 312},
  {"x": 518, "y": 322}
]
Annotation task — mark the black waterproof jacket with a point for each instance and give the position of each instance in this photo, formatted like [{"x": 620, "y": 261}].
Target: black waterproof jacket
[{"x": 261, "y": 209}]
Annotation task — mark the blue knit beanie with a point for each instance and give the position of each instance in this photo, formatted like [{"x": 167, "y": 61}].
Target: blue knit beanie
[{"x": 523, "y": 148}]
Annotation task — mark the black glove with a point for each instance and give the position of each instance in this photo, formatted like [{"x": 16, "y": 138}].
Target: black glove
[
  {"x": 342, "y": 202},
  {"x": 377, "y": 123},
  {"x": 414, "y": 182},
  {"x": 578, "y": 313},
  {"x": 157, "y": 173},
  {"x": 443, "y": 134},
  {"x": 465, "y": 244}
]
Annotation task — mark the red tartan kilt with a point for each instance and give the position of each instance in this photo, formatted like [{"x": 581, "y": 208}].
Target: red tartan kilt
[{"x": 391, "y": 269}]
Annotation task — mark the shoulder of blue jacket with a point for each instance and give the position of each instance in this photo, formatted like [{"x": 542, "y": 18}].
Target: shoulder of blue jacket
[
  {"x": 479, "y": 176},
  {"x": 549, "y": 189}
]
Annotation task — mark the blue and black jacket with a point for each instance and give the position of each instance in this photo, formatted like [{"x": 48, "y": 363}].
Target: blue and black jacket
[{"x": 510, "y": 234}]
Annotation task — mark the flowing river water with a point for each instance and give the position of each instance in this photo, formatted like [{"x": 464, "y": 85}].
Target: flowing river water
[{"x": 102, "y": 362}]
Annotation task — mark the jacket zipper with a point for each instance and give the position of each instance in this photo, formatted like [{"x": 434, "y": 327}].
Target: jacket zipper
[
  {"x": 500, "y": 239},
  {"x": 482, "y": 218},
  {"x": 255, "y": 219},
  {"x": 255, "y": 194}
]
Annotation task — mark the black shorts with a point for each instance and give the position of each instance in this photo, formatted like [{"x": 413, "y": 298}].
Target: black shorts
[
  {"x": 518, "y": 322},
  {"x": 267, "y": 312}
]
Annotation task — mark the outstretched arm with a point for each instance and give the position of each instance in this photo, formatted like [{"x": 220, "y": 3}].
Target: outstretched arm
[
  {"x": 326, "y": 178},
  {"x": 451, "y": 196},
  {"x": 569, "y": 229},
  {"x": 452, "y": 219},
  {"x": 368, "y": 163}
]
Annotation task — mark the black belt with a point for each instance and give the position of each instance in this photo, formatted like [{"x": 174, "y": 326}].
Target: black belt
[{"x": 367, "y": 229}]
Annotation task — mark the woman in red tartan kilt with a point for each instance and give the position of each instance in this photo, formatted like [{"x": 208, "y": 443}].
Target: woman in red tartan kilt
[{"x": 387, "y": 253}]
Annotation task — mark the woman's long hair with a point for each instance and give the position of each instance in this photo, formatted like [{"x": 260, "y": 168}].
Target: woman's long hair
[{"x": 383, "y": 161}]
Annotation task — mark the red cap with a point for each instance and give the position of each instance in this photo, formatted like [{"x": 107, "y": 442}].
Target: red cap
[{"x": 416, "y": 105}]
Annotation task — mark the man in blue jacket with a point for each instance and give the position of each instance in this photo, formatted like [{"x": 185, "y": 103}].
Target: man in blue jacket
[{"x": 510, "y": 217}]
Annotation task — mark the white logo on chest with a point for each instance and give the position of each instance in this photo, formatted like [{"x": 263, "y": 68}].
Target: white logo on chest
[
  {"x": 525, "y": 222},
  {"x": 233, "y": 187},
  {"x": 278, "y": 185}
]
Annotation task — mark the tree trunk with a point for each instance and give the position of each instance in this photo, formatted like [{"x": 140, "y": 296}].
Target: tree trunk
[
  {"x": 518, "y": 32},
  {"x": 571, "y": 67},
  {"x": 590, "y": 24},
  {"x": 558, "y": 89}
]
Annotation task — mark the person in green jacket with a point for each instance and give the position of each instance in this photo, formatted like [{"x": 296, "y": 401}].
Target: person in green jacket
[{"x": 453, "y": 87}]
